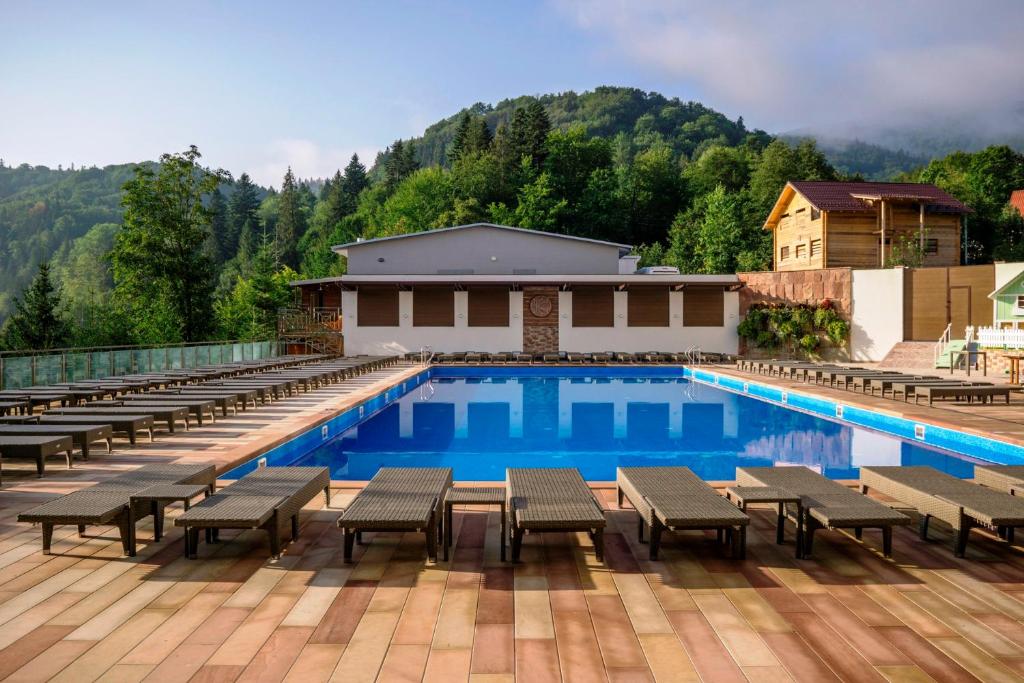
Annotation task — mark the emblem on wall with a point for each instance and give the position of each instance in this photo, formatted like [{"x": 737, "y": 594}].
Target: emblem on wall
[{"x": 540, "y": 306}]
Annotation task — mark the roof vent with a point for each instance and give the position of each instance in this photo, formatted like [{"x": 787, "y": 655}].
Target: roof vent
[{"x": 658, "y": 270}]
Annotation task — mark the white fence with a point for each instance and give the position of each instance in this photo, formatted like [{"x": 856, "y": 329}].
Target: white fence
[{"x": 988, "y": 337}]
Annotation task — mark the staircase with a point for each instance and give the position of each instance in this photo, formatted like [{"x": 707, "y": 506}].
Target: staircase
[
  {"x": 910, "y": 355},
  {"x": 318, "y": 328}
]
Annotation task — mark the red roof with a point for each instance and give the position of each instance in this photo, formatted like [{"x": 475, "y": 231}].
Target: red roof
[
  {"x": 828, "y": 195},
  {"x": 1017, "y": 200}
]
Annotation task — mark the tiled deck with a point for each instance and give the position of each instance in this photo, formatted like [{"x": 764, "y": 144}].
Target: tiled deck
[{"x": 86, "y": 613}]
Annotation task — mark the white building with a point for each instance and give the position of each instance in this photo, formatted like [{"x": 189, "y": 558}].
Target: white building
[{"x": 485, "y": 287}]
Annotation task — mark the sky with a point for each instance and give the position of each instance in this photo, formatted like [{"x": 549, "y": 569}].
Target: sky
[{"x": 260, "y": 86}]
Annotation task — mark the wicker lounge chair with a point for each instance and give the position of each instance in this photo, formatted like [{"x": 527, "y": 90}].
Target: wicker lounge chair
[
  {"x": 14, "y": 407},
  {"x": 36, "y": 448},
  {"x": 399, "y": 499},
  {"x": 909, "y": 388},
  {"x": 198, "y": 407},
  {"x": 110, "y": 501},
  {"x": 957, "y": 502},
  {"x": 81, "y": 435},
  {"x": 130, "y": 424},
  {"x": 268, "y": 498},
  {"x": 166, "y": 414},
  {"x": 1000, "y": 477},
  {"x": 551, "y": 499},
  {"x": 982, "y": 393},
  {"x": 675, "y": 498},
  {"x": 825, "y": 504},
  {"x": 868, "y": 384},
  {"x": 555, "y": 357},
  {"x": 603, "y": 357},
  {"x": 623, "y": 357},
  {"x": 501, "y": 357}
]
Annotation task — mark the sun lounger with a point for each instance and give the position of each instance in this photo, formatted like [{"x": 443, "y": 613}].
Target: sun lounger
[
  {"x": 555, "y": 357},
  {"x": 982, "y": 393},
  {"x": 268, "y": 498},
  {"x": 407, "y": 499},
  {"x": 909, "y": 388},
  {"x": 956, "y": 502},
  {"x": 198, "y": 406},
  {"x": 868, "y": 384},
  {"x": 603, "y": 357},
  {"x": 577, "y": 357},
  {"x": 81, "y": 435},
  {"x": 524, "y": 357},
  {"x": 167, "y": 414},
  {"x": 225, "y": 399},
  {"x": 129, "y": 424},
  {"x": 546, "y": 499},
  {"x": 110, "y": 501},
  {"x": 825, "y": 504},
  {"x": 501, "y": 357},
  {"x": 35, "y": 447},
  {"x": 8, "y": 407},
  {"x": 623, "y": 357},
  {"x": 675, "y": 498},
  {"x": 1000, "y": 477}
]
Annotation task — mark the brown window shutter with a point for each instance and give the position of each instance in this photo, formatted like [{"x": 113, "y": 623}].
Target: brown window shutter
[
  {"x": 488, "y": 306},
  {"x": 593, "y": 307},
  {"x": 433, "y": 307},
  {"x": 703, "y": 307},
  {"x": 648, "y": 306},
  {"x": 377, "y": 307}
]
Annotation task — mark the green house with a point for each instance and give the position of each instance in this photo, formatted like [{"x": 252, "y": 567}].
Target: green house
[{"x": 1008, "y": 304}]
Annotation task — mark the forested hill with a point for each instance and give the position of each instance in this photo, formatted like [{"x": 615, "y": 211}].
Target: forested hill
[{"x": 686, "y": 184}]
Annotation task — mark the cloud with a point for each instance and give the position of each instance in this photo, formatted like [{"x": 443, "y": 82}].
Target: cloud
[
  {"x": 306, "y": 158},
  {"x": 785, "y": 65}
]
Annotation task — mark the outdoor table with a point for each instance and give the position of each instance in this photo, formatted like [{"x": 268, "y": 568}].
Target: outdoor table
[
  {"x": 473, "y": 495},
  {"x": 1014, "y": 368},
  {"x": 160, "y": 496},
  {"x": 745, "y": 495}
]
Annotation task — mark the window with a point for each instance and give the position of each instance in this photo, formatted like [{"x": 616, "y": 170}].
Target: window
[
  {"x": 377, "y": 307},
  {"x": 433, "y": 307},
  {"x": 593, "y": 307},
  {"x": 815, "y": 248},
  {"x": 488, "y": 306},
  {"x": 648, "y": 307},
  {"x": 703, "y": 307},
  {"x": 783, "y": 253},
  {"x": 815, "y": 214},
  {"x": 1020, "y": 302},
  {"x": 931, "y": 246},
  {"x": 801, "y": 251}
]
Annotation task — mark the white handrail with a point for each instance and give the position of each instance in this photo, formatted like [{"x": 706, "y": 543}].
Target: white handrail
[
  {"x": 940, "y": 346},
  {"x": 426, "y": 355}
]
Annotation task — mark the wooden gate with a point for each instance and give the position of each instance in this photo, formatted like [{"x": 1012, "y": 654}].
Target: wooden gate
[{"x": 936, "y": 297}]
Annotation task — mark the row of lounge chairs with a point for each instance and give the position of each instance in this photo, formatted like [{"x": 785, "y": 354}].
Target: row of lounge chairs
[
  {"x": 76, "y": 415},
  {"x": 886, "y": 383},
  {"x": 579, "y": 358},
  {"x": 538, "y": 500}
]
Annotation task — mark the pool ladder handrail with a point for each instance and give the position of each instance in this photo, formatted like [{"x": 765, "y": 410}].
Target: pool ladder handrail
[
  {"x": 426, "y": 355},
  {"x": 693, "y": 354}
]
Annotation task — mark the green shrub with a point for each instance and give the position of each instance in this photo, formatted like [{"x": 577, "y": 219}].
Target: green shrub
[{"x": 803, "y": 327}]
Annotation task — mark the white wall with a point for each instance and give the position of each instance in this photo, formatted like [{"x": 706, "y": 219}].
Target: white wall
[
  {"x": 405, "y": 337},
  {"x": 877, "y": 302},
  {"x": 675, "y": 337}
]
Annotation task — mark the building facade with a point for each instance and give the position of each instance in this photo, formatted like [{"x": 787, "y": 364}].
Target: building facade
[
  {"x": 494, "y": 288},
  {"x": 824, "y": 224}
]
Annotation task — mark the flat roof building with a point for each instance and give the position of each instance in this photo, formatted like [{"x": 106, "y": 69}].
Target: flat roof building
[{"x": 485, "y": 287}]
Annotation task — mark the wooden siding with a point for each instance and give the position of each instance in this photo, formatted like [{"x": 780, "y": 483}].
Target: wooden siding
[
  {"x": 593, "y": 307},
  {"x": 936, "y": 297},
  {"x": 648, "y": 307},
  {"x": 703, "y": 307},
  {"x": 377, "y": 307},
  {"x": 433, "y": 307},
  {"x": 488, "y": 306},
  {"x": 852, "y": 239},
  {"x": 794, "y": 232}
]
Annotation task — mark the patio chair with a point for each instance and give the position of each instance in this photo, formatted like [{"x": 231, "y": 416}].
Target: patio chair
[
  {"x": 676, "y": 499},
  {"x": 407, "y": 499},
  {"x": 957, "y": 502},
  {"x": 824, "y": 504},
  {"x": 551, "y": 499}
]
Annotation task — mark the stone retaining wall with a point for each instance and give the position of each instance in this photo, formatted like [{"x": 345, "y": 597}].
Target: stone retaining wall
[{"x": 799, "y": 287}]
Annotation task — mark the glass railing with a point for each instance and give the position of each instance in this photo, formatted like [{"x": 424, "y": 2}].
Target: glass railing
[{"x": 22, "y": 369}]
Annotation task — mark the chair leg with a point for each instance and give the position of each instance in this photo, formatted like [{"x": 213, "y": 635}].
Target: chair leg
[
  {"x": 349, "y": 538},
  {"x": 295, "y": 526},
  {"x": 599, "y": 544},
  {"x": 739, "y": 540},
  {"x": 922, "y": 527},
  {"x": 960, "y": 538},
  {"x": 275, "y": 541},
  {"x": 780, "y": 528},
  {"x": 656, "y": 529},
  {"x": 858, "y": 532},
  {"x": 619, "y": 495},
  {"x": 808, "y": 542},
  {"x": 47, "y": 537},
  {"x": 517, "y": 543},
  {"x": 639, "y": 528},
  {"x": 887, "y": 541}
]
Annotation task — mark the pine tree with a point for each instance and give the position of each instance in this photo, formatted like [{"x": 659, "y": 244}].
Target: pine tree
[
  {"x": 38, "y": 320},
  {"x": 480, "y": 138},
  {"x": 538, "y": 125},
  {"x": 400, "y": 164},
  {"x": 458, "y": 147},
  {"x": 242, "y": 209},
  {"x": 353, "y": 182},
  {"x": 290, "y": 222}
]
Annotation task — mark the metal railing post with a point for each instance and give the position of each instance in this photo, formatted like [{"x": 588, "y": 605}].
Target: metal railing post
[{"x": 32, "y": 372}]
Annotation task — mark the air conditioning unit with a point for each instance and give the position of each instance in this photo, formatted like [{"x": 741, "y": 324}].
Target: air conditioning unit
[{"x": 658, "y": 270}]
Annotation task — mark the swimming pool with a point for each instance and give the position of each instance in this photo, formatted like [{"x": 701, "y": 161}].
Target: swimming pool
[{"x": 480, "y": 420}]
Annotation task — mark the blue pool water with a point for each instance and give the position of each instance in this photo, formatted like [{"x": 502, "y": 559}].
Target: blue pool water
[{"x": 481, "y": 420}]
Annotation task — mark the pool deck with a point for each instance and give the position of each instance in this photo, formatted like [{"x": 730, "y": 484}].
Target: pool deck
[{"x": 86, "y": 613}]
